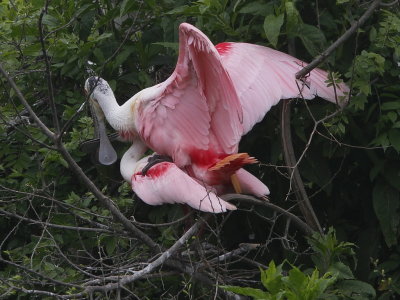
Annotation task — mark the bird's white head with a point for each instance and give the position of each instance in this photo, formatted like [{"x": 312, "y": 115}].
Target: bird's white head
[
  {"x": 100, "y": 93},
  {"x": 101, "y": 96}
]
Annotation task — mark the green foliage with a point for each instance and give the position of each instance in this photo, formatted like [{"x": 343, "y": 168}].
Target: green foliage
[
  {"x": 350, "y": 167},
  {"x": 337, "y": 280},
  {"x": 295, "y": 286},
  {"x": 328, "y": 250}
]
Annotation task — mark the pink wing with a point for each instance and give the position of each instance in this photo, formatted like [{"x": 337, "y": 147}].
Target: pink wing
[
  {"x": 196, "y": 108},
  {"x": 262, "y": 76},
  {"x": 166, "y": 183}
]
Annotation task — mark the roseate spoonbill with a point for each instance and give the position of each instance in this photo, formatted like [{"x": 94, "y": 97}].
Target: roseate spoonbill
[
  {"x": 164, "y": 182},
  {"x": 214, "y": 96}
]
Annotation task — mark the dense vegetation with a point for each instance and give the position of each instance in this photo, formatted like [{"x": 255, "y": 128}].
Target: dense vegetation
[{"x": 63, "y": 237}]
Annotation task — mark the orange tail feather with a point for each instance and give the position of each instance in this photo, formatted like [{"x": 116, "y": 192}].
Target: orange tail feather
[{"x": 233, "y": 162}]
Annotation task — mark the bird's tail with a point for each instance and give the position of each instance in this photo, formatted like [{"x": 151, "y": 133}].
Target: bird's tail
[{"x": 231, "y": 163}]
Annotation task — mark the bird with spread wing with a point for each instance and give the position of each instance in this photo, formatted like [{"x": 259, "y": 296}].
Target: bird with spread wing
[{"x": 198, "y": 115}]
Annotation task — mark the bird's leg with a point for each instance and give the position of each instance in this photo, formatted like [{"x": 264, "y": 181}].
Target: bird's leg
[{"x": 236, "y": 183}]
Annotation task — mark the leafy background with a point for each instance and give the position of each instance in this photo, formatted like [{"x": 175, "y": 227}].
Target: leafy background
[{"x": 350, "y": 169}]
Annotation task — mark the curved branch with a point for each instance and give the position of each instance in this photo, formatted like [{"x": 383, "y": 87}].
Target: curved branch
[
  {"x": 291, "y": 163},
  {"x": 295, "y": 178},
  {"x": 253, "y": 200}
]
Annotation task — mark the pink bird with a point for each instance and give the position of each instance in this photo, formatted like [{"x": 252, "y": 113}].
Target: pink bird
[
  {"x": 198, "y": 115},
  {"x": 157, "y": 180}
]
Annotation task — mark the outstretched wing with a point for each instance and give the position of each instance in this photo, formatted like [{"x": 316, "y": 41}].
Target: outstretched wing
[
  {"x": 196, "y": 108},
  {"x": 166, "y": 183},
  {"x": 262, "y": 76}
]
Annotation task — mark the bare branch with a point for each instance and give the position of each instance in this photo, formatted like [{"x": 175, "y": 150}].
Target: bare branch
[
  {"x": 123, "y": 280},
  {"x": 319, "y": 59},
  {"x": 48, "y": 71},
  {"x": 290, "y": 159},
  {"x": 21, "y": 97},
  {"x": 65, "y": 227},
  {"x": 253, "y": 200},
  {"x": 105, "y": 201},
  {"x": 390, "y": 3}
]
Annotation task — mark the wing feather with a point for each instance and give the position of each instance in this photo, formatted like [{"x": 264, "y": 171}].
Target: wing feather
[
  {"x": 166, "y": 183},
  {"x": 196, "y": 108},
  {"x": 263, "y": 76}
]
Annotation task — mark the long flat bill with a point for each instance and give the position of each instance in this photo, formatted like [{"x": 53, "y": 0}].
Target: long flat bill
[{"x": 107, "y": 154}]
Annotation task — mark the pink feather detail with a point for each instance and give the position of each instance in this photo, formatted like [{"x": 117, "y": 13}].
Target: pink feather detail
[
  {"x": 263, "y": 76},
  {"x": 197, "y": 108},
  {"x": 166, "y": 183},
  {"x": 127, "y": 135},
  {"x": 223, "y": 48},
  {"x": 215, "y": 95}
]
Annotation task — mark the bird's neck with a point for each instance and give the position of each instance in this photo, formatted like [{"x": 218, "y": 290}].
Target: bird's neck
[
  {"x": 129, "y": 162},
  {"x": 119, "y": 117}
]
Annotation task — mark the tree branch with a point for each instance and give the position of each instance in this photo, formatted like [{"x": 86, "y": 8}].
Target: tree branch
[
  {"x": 319, "y": 59},
  {"x": 106, "y": 202},
  {"x": 123, "y": 280},
  {"x": 48, "y": 70},
  {"x": 253, "y": 200},
  {"x": 25, "y": 103},
  {"x": 295, "y": 178},
  {"x": 290, "y": 160}
]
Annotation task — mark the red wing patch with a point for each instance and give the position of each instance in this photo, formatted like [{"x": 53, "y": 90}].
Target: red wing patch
[
  {"x": 223, "y": 48},
  {"x": 158, "y": 170},
  {"x": 204, "y": 158}
]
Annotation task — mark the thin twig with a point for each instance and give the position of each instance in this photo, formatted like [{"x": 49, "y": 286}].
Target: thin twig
[{"x": 65, "y": 227}]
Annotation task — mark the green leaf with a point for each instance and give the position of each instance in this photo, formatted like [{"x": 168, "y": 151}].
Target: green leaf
[
  {"x": 123, "y": 56},
  {"x": 312, "y": 38},
  {"x": 292, "y": 17},
  {"x": 353, "y": 288},
  {"x": 272, "y": 27},
  {"x": 272, "y": 278},
  {"x": 126, "y": 6},
  {"x": 257, "y": 8},
  {"x": 111, "y": 244},
  {"x": 394, "y": 138},
  {"x": 50, "y": 21},
  {"x": 85, "y": 24},
  {"x": 386, "y": 204},
  {"x": 296, "y": 279},
  {"x": 391, "y": 105},
  {"x": 246, "y": 291},
  {"x": 174, "y": 46},
  {"x": 341, "y": 270}
]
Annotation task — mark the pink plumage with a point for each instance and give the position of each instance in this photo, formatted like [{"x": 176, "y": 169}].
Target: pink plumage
[
  {"x": 263, "y": 76},
  {"x": 198, "y": 115},
  {"x": 166, "y": 183}
]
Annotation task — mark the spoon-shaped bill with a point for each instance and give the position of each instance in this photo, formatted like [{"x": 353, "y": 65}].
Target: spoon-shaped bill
[{"x": 107, "y": 154}]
